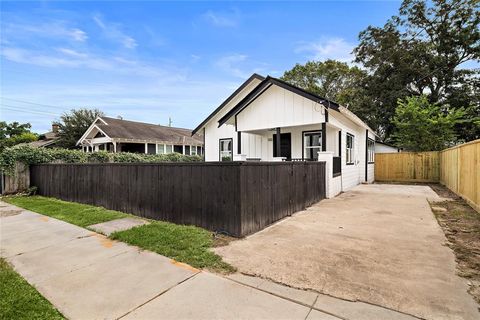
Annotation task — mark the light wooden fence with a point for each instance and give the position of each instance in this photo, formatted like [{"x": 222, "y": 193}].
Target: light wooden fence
[
  {"x": 407, "y": 166},
  {"x": 458, "y": 168},
  {"x": 460, "y": 171}
]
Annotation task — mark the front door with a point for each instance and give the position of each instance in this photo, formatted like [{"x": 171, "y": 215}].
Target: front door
[{"x": 285, "y": 145}]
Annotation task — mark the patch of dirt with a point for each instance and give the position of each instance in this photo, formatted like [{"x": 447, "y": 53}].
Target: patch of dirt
[
  {"x": 8, "y": 213},
  {"x": 443, "y": 191},
  {"x": 461, "y": 225},
  {"x": 220, "y": 240}
]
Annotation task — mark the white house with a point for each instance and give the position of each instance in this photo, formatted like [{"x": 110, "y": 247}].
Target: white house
[
  {"x": 118, "y": 135},
  {"x": 267, "y": 119},
  {"x": 382, "y": 147}
]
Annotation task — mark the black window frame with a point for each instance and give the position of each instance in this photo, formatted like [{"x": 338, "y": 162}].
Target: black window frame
[
  {"x": 352, "y": 160},
  {"x": 309, "y": 132},
  {"x": 220, "y": 149}
]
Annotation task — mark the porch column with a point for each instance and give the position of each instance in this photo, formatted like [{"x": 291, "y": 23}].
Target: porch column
[
  {"x": 278, "y": 149},
  {"x": 114, "y": 147},
  {"x": 146, "y": 147},
  {"x": 239, "y": 142},
  {"x": 324, "y": 136},
  {"x": 183, "y": 149},
  {"x": 331, "y": 188}
]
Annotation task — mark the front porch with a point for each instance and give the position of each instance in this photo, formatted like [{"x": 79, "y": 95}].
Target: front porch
[
  {"x": 295, "y": 143},
  {"x": 133, "y": 146}
]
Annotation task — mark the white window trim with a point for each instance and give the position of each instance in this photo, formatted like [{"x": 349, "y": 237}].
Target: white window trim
[{"x": 350, "y": 152}]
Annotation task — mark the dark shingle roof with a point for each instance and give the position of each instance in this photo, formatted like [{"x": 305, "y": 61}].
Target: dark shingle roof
[{"x": 125, "y": 129}]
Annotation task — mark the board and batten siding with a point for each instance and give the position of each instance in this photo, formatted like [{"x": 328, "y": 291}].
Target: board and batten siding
[
  {"x": 352, "y": 174},
  {"x": 213, "y": 133},
  {"x": 278, "y": 107}
]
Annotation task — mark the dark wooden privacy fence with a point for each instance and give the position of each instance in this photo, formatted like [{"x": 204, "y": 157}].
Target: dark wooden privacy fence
[{"x": 236, "y": 197}]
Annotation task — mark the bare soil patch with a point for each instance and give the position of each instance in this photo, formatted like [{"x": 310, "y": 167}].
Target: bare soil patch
[{"x": 461, "y": 225}]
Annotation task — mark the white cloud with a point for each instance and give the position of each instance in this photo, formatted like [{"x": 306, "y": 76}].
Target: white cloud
[
  {"x": 69, "y": 58},
  {"x": 78, "y": 35},
  {"x": 113, "y": 32},
  {"x": 328, "y": 48},
  {"x": 230, "y": 64},
  {"x": 222, "y": 19},
  {"x": 73, "y": 53},
  {"x": 53, "y": 29},
  {"x": 240, "y": 65}
]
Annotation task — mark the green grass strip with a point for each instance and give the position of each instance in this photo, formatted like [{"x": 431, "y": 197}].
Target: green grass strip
[
  {"x": 187, "y": 244},
  {"x": 79, "y": 214},
  {"x": 19, "y": 300}
]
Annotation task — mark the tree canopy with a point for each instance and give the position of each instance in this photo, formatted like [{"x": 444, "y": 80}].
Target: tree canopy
[
  {"x": 421, "y": 51},
  {"x": 424, "y": 126},
  {"x": 15, "y": 133},
  {"x": 73, "y": 125}
]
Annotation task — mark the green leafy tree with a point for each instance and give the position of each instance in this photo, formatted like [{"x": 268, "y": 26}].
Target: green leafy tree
[
  {"x": 8, "y": 130},
  {"x": 424, "y": 126},
  {"x": 421, "y": 51},
  {"x": 337, "y": 81},
  {"x": 73, "y": 125},
  {"x": 331, "y": 79},
  {"x": 15, "y": 133}
]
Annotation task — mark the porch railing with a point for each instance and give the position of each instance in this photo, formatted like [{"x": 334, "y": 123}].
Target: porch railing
[{"x": 337, "y": 166}]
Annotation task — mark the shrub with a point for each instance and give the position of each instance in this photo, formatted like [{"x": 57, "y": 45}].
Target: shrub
[{"x": 30, "y": 155}]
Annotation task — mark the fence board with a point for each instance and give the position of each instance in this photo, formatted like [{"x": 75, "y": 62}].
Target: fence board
[
  {"x": 460, "y": 171},
  {"x": 407, "y": 166},
  {"x": 457, "y": 168},
  {"x": 238, "y": 198}
]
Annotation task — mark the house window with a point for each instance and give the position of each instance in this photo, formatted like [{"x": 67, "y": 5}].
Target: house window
[
  {"x": 199, "y": 150},
  {"x": 194, "y": 151},
  {"x": 178, "y": 149},
  {"x": 161, "y": 149},
  {"x": 151, "y": 148},
  {"x": 226, "y": 146},
  {"x": 187, "y": 150},
  {"x": 371, "y": 150},
  {"x": 350, "y": 149},
  {"x": 168, "y": 148},
  {"x": 312, "y": 144}
]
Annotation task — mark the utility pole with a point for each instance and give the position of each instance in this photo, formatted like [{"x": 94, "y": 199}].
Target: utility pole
[{"x": 170, "y": 121}]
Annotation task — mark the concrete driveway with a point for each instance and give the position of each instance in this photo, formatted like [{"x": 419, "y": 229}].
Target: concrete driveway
[{"x": 378, "y": 244}]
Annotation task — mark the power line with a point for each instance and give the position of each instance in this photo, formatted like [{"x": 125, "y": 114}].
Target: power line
[
  {"x": 34, "y": 103},
  {"x": 14, "y": 108}
]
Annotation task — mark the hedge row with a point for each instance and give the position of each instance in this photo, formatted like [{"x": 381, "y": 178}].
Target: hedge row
[{"x": 30, "y": 155}]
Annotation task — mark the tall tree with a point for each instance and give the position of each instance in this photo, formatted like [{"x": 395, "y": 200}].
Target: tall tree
[
  {"x": 421, "y": 51},
  {"x": 423, "y": 126},
  {"x": 15, "y": 133},
  {"x": 331, "y": 79},
  {"x": 73, "y": 125}
]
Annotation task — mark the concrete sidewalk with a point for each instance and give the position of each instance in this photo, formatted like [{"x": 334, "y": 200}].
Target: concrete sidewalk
[{"x": 87, "y": 276}]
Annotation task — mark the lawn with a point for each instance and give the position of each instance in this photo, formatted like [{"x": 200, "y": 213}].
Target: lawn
[
  {"x": 81, "y": 215},
  {"x": 19, "y": 300},
  {"x": 186, "y": 244}
]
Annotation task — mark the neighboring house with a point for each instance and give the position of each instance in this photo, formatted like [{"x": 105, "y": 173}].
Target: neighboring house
[
  {"x": 118, "y": 135},
  {"x": 382, "y": 147},
  {"x": 267, "y": 119},
  {"x": 46, "y": 140}
]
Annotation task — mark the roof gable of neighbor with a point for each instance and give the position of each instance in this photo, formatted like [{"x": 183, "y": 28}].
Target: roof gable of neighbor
[
  {"x": 224, "y": 103},
  {"x": 267, "y": 83},
  {"x": 132, "y": 130}
]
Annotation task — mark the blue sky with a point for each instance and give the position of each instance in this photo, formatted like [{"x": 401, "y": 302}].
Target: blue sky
[{"x": 148, "y": 61}]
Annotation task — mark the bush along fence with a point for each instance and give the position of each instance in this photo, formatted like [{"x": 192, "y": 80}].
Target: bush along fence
[
  {"x": 458, "y": 168},
  {"x": 238, "y": 198},
  {"x": 15, "y": 162}
]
